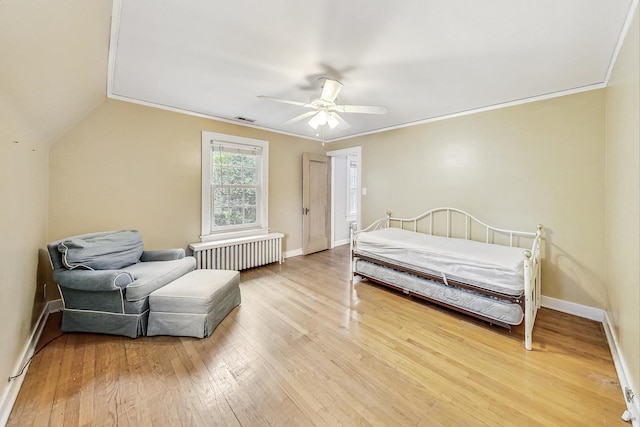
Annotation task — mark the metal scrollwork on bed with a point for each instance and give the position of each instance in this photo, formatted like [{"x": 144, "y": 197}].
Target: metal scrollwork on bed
[{"x": 451, "y": 258}]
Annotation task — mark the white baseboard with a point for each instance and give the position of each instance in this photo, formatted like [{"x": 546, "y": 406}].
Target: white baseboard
[
  {"x": 295, "y": 252},
  {"x": 11, "y": 392},
  {"x": 579, "y": 310},
  {"x": 622, "y": 370},
  {"x": 298, "y": 252}
]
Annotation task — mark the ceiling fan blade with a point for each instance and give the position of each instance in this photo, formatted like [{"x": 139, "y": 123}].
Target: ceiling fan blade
[
  {"x": 341, "y": 122},
  {"x": 330, "y": 90},
  {"x": 301, "y": 117},
  {"x": 365, "y": 109},
  {"x": 286, "y": 101}
]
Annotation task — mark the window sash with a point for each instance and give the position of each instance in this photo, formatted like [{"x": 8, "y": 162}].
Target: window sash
[
  {"x": 231, "y": 212},
  {"x": 234, "y": 196}
]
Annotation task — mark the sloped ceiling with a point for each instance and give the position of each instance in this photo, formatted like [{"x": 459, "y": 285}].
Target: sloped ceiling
[
  {"x": 53, "y": 61},
  {"x": 422, "y": 59}
]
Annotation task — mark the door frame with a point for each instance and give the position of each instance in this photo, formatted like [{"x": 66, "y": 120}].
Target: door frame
[{"x": 357, "y": 152}]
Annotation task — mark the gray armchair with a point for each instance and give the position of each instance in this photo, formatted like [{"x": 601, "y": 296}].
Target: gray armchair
[{"x": 105, "y": 280}]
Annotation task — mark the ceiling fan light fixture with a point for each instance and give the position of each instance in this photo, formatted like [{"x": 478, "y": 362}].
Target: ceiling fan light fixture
[
  {"x": 332, "y": 121},
  {"x": 324, "y": 109},
  {"x": 319, "y": 119}
]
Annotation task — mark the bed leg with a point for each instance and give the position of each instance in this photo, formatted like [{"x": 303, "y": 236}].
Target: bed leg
[{"x": 528, "y": 324}]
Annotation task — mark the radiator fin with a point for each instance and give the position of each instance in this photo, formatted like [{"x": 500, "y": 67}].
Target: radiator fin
[{"x": 238, "y": 254}]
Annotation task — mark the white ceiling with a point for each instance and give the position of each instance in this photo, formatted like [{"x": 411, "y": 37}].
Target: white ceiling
[{"x": 422, "y": 59}]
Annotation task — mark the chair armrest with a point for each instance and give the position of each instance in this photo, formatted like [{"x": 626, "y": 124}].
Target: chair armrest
[
  {"x": 93, "y": 280},
  {"x": 162, "y": 255}
]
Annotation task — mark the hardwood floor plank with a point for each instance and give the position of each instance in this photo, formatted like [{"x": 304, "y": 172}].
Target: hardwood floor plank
[
  {"x": 47, "y": 392},
  {"x": 210, "y": 399},
  {"x": 134, "y": 409},
  {"x": 106, "y": 370},
  {"x": 87, "y": 391},
  {"x": 276, "y": 384},
  {"x": 305, "y": 348},
  {"x": 282, "y": 341}
]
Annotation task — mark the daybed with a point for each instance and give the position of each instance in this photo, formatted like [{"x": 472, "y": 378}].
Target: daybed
[{"x": 449, "y": 257}]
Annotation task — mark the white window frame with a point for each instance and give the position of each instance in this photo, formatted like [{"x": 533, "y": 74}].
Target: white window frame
[{"x": 262, "y": 214}]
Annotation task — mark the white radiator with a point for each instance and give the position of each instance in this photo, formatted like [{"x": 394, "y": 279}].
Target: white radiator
[{"x": 240, "y": 253}]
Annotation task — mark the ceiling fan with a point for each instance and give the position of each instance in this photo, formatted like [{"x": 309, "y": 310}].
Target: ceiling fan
[{"x": 324, "y": 110}]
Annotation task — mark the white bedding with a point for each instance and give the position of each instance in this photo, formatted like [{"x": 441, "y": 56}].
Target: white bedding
[{"x": 494, "y": 267}]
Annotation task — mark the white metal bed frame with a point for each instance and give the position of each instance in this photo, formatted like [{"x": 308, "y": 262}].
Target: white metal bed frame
[{"x": 532, "y": 258}]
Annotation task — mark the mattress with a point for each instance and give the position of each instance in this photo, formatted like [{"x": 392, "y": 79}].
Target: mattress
[
  {"x": 493, "y": 267},
  {"x": 490, "y": 307}
]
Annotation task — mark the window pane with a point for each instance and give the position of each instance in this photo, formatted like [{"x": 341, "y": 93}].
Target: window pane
[
  {"x": 235, "y": 197},
  {"x": 236, "y": 216},
  {"x": 220, "y": 197},
  {"x": 221, "y": 216},
  {"x": 233, "y": 176},
  {"x": 249, "y": 176},
  {"x": 353, "y": 204},
  {"x": 249, "y": 215},
  {"x": 236, "y": 160},
  {"x": 218, "y": 159},
  {"x": 249, "y": 162},
  {"x": 250, "y": 197},
  {"x": 216, "y": 176}
]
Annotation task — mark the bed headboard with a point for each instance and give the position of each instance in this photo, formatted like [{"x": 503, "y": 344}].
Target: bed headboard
[{"x": 455, "y": 223}]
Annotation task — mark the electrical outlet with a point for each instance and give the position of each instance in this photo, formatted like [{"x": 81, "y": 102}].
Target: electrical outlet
[{"x": 628, "y": 394}]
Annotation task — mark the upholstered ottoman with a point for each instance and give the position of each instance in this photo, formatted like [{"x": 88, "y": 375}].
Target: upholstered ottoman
[{"x": 194, "y": 304}]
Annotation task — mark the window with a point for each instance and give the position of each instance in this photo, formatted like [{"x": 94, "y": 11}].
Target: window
[
  {"x": 352, "y": 189},
  {"x": 234, "y": 186}
]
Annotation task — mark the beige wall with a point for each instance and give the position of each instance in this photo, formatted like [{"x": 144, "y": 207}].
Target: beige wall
[
  {"x": 513, "y": 168},
  {"x": 23, "y": 227},
  {"x": 129, "y": 166},
  {"x": 622, "y": 201},
  {"x": 54, "y": 68}
]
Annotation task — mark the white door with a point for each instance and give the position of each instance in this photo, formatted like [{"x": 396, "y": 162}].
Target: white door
[{"x": 316, "y": 203}]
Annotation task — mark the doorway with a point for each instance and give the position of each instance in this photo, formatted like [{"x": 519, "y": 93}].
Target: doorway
[{"x": 346, "y": 183}]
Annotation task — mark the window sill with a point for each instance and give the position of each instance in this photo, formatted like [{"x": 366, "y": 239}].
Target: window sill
[
  {"x": 234, "y": 241},
  {"x": 254, "y": 232}
]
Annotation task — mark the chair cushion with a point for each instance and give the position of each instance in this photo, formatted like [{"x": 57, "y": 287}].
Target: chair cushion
[
  {"x": 110, "y": 250},
  {"x": 152, "y": 275}
]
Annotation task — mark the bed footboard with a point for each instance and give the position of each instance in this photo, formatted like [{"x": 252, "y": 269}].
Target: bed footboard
[{"x": 532, "y": 285}]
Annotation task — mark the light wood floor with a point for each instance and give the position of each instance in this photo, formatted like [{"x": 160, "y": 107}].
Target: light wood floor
[{"x": 302, "y": 351}]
